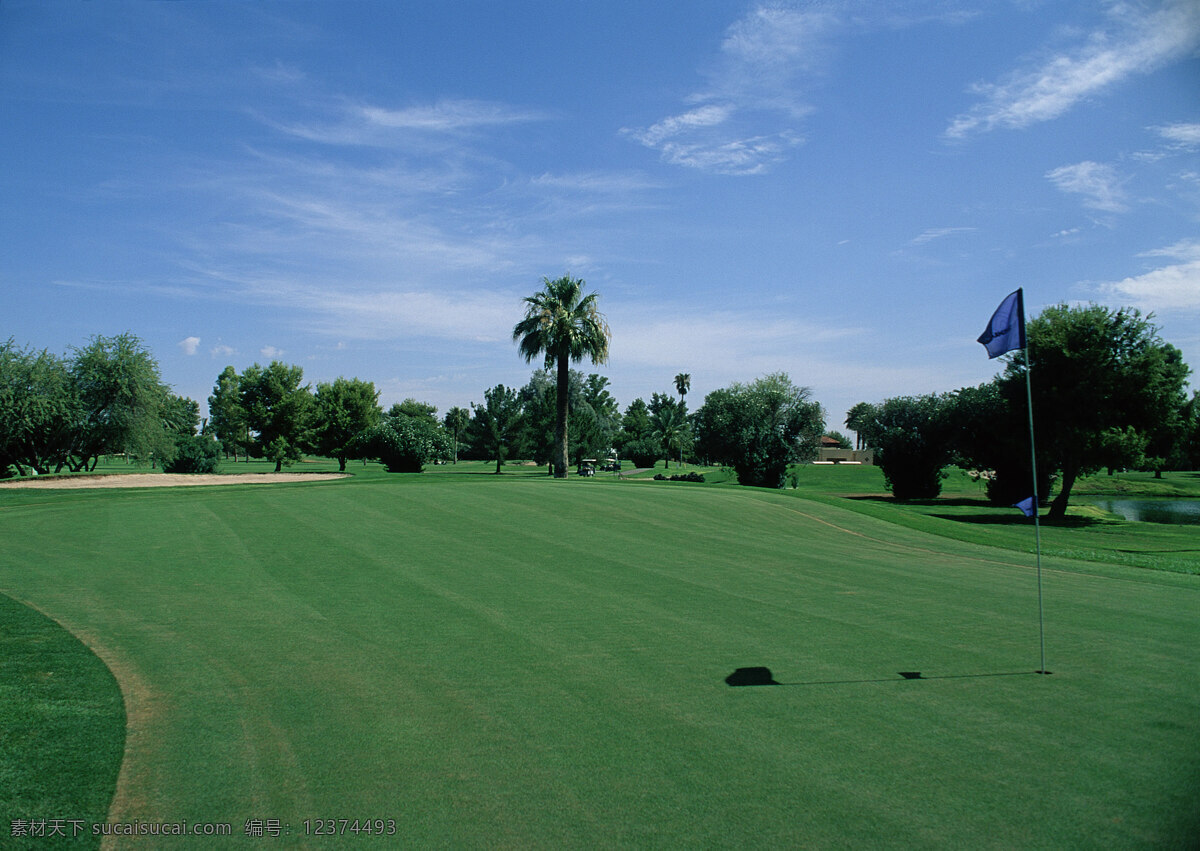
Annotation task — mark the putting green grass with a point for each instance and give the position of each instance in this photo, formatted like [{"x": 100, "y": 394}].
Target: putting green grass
[
  {"x": 517, "y": 661},
  {"x": 62, "y": 724}
]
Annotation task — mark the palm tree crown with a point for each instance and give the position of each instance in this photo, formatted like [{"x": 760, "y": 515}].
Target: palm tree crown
[
  {"x": 683, "y": 383},
  {"x": 564, "y": 325}
]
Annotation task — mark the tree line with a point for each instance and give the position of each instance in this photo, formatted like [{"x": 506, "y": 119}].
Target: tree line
[
  {"x": 64, "y": 413},
  {"x": 1106, "y": 392}
]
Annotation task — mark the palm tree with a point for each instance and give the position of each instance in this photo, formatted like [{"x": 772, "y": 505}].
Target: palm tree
[
  {"x": 669, "y": 429},
  {"x": 564, "y": 325},
  {"x": 683, "y": 383},
  {"x": 456, "y": 423}
]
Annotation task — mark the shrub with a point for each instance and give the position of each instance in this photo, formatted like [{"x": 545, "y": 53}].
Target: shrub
[
  {"x": 681, "y": 477},
  {"x": 404, "y": 444},
  {"x": 194, "y": 454},
  {"x": 643, "y": 452}
]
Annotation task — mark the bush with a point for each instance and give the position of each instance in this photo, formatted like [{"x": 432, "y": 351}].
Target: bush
[
  {"x": 644, "y": 452},
  {"x": 403, "y": 444},
  {"x": 194, "y": 454},
  {"x": 681, "y": 477}
]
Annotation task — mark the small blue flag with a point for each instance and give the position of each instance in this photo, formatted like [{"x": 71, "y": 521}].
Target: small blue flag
[
  {"x": 1026, "y": 505},
  {"x": 1006, "y": 330}
]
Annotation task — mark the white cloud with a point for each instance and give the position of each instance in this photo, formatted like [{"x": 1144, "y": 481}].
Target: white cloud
[
  {"x": 448, "y": 116},
  {"x": 1182, "y": 135},
  {"x": 270, "y": 352},
  {"x": 1098, "y": 183},
  {"x": 938, "y": 233},
  {"x": 740, "y": 122},
  {"x": 1172, "y": 288},
  {"x": 222, "y": 351},
  {"x": 368, "y": 124},
  {"x": 189, "y": 345},
  {"x": 1140, "y": 43}
]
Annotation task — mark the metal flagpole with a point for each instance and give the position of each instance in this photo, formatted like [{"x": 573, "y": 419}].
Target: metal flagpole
[
  {"x": 1037, "y": 526},
  {"x": 1005, "y": 333}
]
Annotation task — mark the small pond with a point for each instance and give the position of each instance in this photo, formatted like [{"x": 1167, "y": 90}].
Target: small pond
[{"x": 1162, "y": 510}]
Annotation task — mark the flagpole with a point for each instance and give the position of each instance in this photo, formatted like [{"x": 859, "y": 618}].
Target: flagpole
[
  {"x": 1037, "y": 526},
  {"x": 1005, "y": 333}
]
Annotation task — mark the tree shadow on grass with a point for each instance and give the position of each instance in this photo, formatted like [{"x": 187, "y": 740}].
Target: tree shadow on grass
[
  {"x": 959, "y": 502},
  {"x": 1015, "y": 518}
]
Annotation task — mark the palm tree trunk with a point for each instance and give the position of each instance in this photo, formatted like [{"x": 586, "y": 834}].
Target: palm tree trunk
[{"x": 560, "y": 426}]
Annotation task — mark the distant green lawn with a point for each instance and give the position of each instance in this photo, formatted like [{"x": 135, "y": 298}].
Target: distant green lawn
[{"x": 513, "y": 660}]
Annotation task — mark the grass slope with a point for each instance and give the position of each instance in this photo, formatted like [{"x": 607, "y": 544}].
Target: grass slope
[{"x": 517, "y": 661}]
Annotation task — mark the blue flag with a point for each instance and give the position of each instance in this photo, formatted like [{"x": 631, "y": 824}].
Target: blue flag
[
  {"x": 1006, "y": 330},
  {"x": 1026, "y": 505}
]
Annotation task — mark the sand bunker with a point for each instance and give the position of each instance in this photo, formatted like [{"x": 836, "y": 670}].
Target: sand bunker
[{"x": 166, "y": 480}]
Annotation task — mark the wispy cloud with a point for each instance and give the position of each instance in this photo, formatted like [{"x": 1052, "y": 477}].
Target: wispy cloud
[
  {"x": 1171, "y": 288},
  {"x": 189, "y": 345},
  {"x": 372, "y": 125},
  {"x": 939, "y": 233},
  {"x": 1098, "y": 183},
  {"x": 270, "y": 352},
  {"x": 1136, "y": 42},
  {"x": 1185, "y": 136},
  {"x": 742, "y": 122}
]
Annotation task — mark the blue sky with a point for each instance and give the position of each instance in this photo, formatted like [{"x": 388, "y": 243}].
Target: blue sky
[{"x": 843, "y": 191}]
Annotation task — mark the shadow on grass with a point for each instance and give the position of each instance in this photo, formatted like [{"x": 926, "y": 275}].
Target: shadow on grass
[
  {"x": 1015, "y": 518},
  {"x": 761, "y": 676},
  {"x": 995, "y": 516}
]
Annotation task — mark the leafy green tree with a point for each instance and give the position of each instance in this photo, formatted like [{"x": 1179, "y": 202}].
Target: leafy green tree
[
  {"x": 498, "y": 423},
  {"x": 564, "y": 325},
  {"x": 912, "y": 434},
  {"x": 455, "y": 423},
  {"x": 760, "y": 428},
  {"x": 404, "y": 444},
  {"x": 539, "y": 400},
  {"x": 636, "y": 425},
  {"x": 1103, "y": 383},
  {"x": 840, "y": 439},
  {"x": 121, "y": 400},
  {"x": 279, "y": 411},
  {"x": 412, "y": 408},
  {"x": 344, "y": 409},
  {"x": 989, "y": 434},
  {"x": 227, "y": 418},
  {"x": 38, "y": 410},
  {"x": 181, "y": 415},
  {"x": 589, "y": 431}
]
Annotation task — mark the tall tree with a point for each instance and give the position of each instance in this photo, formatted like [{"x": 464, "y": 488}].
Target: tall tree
[
  {"x": 683, "y": 383},
  {"x": 226, "y": 416},
  {"x": 278, "y": 411},
  {"x": 497, "y": 423},
  {"x": 121, "y": 399},
  {"x": 38, "y": 409},
  {"x": 344, "y": 409},
  {"x": 564, "y": 325},
  {"x": 1103, "y": 383},
  {"x": 455, "y": 423},
  {"x": 670, "y": 430}
]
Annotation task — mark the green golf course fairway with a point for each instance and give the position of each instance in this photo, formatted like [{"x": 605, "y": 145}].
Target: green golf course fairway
[{"x": 523, "y": 662}]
